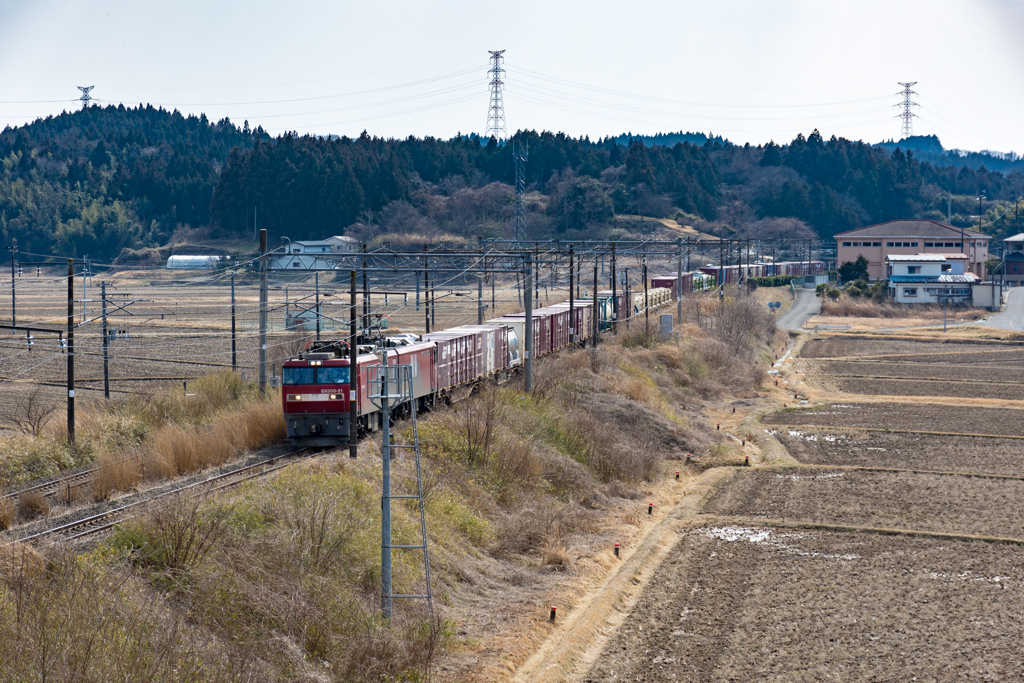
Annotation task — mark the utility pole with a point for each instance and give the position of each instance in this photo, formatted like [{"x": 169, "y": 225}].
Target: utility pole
[
  {"x": 480, "y": 298},
  {"x": 679, "y": 282},
  {"x": 628, "y": 296},
  {"x": 385, "y": 503},
  {"x": 721, "y": 264},
  {"x": 106, "y": 341},
  {"x": 316, "y": 280},
  {"x": 263, "y": 312},
  {"x": 426, "y": 295},
  {"x": 647, "y": 305},
  {"x": 572, "y": 299},
  {"x": 353, "y": 370},
  {"x": 520, "y": 155},
  {"x": 14, "y": 307},
  {"x": 536, "y": 277},
  {"x": 71, "y": 351},
  {"x": 366, "y": 295},
  {"x": 528, "y": 325},
  {"x": 417, "y": 290},
  {"x": 615, "y": 298},
  {"x": 234, "y": 340},
  {"x": 595, "y": 322}
]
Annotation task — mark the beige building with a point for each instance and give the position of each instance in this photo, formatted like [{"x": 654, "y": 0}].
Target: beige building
[{"x": 913, "y": 236}]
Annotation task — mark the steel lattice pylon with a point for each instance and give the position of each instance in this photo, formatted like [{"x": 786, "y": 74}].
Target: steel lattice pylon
[
  {"x": 907, "y": 115},
  {"x": 86, "y": 98},
  {"x": 496, "y": 110}
]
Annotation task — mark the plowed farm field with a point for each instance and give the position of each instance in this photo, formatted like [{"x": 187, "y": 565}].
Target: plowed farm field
[
  {"x": 751, "y": 603},
  {"x": 895, "y": 450},
  {"x": 925, "y": 417},
  {"x": 864, "y": 386},
  {"x": 1001, "y": 373},
  {"x": 937, "y": 503},
  {"x": 913, "y": 351},
  {"x": 894, "y": 551}
]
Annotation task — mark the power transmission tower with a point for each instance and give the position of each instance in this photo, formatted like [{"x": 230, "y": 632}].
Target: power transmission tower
[
  {"x": 521, "y": 154},
  {"x": 86, "y": 98},
  {"x": 907, "y": 115},
  {"x": 496, "y": 109}
]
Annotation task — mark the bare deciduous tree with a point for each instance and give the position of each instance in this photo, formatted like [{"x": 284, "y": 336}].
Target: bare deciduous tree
[{"x": 31, "y": 413}]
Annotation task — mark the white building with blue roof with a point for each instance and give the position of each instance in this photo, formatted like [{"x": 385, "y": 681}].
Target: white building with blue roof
[{"x": 928, "y": 278}]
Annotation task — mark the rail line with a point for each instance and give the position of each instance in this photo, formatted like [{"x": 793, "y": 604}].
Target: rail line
[
  {"x": 106, "y": 520},
  {"x": 53, "y": 486}
]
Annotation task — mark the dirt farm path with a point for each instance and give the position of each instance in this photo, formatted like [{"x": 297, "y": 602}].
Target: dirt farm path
[{"x": 879, "y": 536}]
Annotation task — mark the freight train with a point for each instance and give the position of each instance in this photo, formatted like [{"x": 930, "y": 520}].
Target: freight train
[
  {"x": 734, "y": 274},
  {"x": 317, "y": 386}
]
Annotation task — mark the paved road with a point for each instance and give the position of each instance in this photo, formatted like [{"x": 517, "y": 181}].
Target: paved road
[
  {"x": 1012, "y": 318},
  {"x": 806, "y": 305}
]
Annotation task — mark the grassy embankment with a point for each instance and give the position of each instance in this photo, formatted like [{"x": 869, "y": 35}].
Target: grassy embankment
[
  {"x": 141, "y": 438},
  {"x": 280, "y": 580}
]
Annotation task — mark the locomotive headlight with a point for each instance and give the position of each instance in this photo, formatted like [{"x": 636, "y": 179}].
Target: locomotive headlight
[
  {"x": 294, "y": 397},
  {"x": 316, "y": 362},
  {"x": 334, "y": 397}
]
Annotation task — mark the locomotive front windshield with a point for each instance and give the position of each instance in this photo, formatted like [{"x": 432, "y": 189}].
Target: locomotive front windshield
[{"x": 315, "y": 375}]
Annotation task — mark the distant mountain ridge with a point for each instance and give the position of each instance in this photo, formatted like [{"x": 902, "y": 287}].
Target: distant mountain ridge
[
  {"x": 929, "y": 148},
  {"x": 670, "y": 139},
  {"x": 925, "y": 148}
]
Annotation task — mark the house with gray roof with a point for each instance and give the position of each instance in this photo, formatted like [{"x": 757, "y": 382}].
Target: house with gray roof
[{"x": 1013, "y": 260}]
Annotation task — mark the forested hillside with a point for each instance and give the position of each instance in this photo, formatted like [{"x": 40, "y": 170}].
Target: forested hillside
[
  {"x": 104, "y": 179},
  {"x": 98, "y": 180}
]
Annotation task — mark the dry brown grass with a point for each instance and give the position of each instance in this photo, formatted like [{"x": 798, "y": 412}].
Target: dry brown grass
[
  {"x": 846, "y": 306},
  {"x": 6, "y": 513},
  {"x": 175, "y": 449},
  {"x": 69, "y": 620},
  {"x": 32, "y": 504},
  {"x": 114, "y": 473},
  {"x": 18, "y": 562}
]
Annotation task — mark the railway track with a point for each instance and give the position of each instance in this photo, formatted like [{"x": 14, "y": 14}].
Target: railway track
[
  {"x": 104, "y": 521},
  {"x": 52, "y": 487}
]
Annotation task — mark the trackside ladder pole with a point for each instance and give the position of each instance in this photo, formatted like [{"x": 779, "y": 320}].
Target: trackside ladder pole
[{"x": 391, "y": 386}]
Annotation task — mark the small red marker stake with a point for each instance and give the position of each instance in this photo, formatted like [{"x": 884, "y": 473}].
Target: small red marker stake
[
  {"x": 746, "y": 461},
  {"x": 650, "y": 508},
  {"x": 734, "y": 410},
  {"x": 677, "y": 474},
  {"x": 552, "y": 617},
  {"x": 744, "y": 443},
  {"x": 687, "y": 458},
  {"x": 718, "y": 426},
  {"x": 616, "y": 550}
]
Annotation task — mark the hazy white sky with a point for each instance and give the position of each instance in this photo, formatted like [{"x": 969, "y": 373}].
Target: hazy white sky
[{"x": 751, "y": 70}]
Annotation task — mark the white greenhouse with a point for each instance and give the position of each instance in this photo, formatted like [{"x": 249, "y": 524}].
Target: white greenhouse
[{"x": 182, "y": 262}]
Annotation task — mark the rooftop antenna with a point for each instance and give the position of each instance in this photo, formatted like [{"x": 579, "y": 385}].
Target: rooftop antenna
[
  {"x": 907, "y": 114},
  {"x": 496, "y": 109},
  {"x": 86, "y": 98}
]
